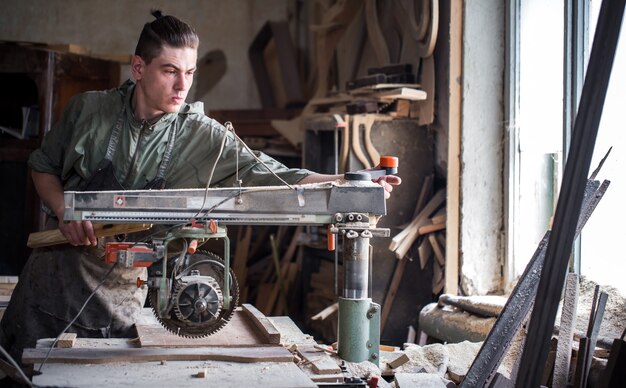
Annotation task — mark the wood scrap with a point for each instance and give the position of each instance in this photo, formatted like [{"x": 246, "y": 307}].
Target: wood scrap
[
  {"x": 367, "y": 137},
  {"x": 438, "y": 250},
  {"x": 398, "y": 361},
  {"x": 375, "y": 34},
  {"x": 321, "y": 362},
  {"x": 265, "y": 326},
  {"x": 55, "y": 237},
  {"x": 438, "y": 279},
  {"x": 402, "y": 109},
  {"x": 426, "y": 229},
  {"x": 391, "y": 292},
  {"x": 328, "y": 311},
  {"x": 402, "y": 94},
  {"x": 358, "y": 122},
  {"x": 425, "y": 252},
  {"x": 401, "y": 243},
  {"x": 66, "y": 340},
  {"x": 202, "y": 373}
]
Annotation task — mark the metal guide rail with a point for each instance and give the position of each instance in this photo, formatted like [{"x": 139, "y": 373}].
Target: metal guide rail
[{"x": 312, "y": 204}]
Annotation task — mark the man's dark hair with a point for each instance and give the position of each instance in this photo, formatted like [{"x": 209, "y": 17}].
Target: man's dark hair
[{"x": 165, "y": 30}]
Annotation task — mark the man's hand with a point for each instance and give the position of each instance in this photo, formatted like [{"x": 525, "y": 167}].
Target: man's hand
[
  {"x": 78, "y": 233},
  {"x": 387, "y": 182},
  {"x": 50, "y": 191}
]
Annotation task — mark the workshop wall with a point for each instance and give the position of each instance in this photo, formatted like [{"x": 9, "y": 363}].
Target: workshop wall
[
  {"x": 113, "y": 27},
  {"x": 482, "y": 151}
]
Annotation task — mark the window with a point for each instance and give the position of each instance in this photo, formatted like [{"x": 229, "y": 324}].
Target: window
[{"x": 603, "y": 258}]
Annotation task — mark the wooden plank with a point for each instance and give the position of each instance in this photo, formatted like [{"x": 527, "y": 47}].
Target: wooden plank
[
  {"x": 265, "y": 326},
  {"x": 402, "y": 242},
  {"x": 566, "y": 333},
  {"x": 319, "y": 360},
  {"x": 439, "y": 254},
  {"x": 391, "y": 293},
  {"x": 430, "y": 228},
  {"x": 55, "y": 237},
  {"x": 238, "y": 332},
  {"x": 103, "y": 356},
  {"x": 424, "y": 251},
  {"x": 404, "y": 94},
  {"x": 453, "y": 183},
  {"x": 174, "y": 374}
]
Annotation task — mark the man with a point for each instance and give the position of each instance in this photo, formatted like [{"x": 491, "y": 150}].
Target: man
[{"x": 140, "y": 136}]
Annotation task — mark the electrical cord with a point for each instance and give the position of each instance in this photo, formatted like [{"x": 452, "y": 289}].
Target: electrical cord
[
  {"x": 16, "y": 366},
  {"x": 104, "y": 278},
  {"x": 257, "y": 158},
  {"x": 229, "y": 128}
]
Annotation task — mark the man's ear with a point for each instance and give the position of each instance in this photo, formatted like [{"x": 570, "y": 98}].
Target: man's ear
[{"x": 137, "y": 66}]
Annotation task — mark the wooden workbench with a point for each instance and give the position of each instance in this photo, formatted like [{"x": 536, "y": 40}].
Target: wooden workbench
[{"x": 234, "y": 357}]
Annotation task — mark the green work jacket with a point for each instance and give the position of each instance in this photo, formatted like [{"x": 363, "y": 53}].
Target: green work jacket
[{"x": 78, "y": 142}]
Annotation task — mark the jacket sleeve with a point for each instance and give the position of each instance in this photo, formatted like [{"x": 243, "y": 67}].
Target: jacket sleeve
[
  {"x": 50, "y": 156},
  {"x": 198, "y": 150}
]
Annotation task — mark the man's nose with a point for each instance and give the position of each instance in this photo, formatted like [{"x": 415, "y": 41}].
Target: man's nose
[{"x": 182, "y": 83}]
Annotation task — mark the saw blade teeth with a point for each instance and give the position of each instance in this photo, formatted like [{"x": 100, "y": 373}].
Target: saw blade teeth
[{"x": 179, "y": 327}]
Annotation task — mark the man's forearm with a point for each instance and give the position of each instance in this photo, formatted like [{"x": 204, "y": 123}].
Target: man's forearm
[
  {"x": 319, "y": 178},
  {"x": 50, "y": 191}
]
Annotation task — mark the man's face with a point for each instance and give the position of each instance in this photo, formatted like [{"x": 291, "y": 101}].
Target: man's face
[{"x": 162, "y": 85}]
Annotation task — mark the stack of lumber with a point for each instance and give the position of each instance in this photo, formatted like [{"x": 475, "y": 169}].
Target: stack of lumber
[
  {"x": 427, "y": 230},
  {"x": 7, "y": 284},
  {"x": 321, "y": 302}
]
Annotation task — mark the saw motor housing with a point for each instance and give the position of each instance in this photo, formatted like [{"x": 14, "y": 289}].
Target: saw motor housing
[{"x": 189, "y": 293}]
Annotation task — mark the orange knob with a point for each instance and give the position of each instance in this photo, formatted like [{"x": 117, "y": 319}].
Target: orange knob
[
  {"x": 193, "y": 245},
  {"x": 389, "y": 161},
  {"x": 140, "y": 282},
  {"x": 330, "y": 239}
]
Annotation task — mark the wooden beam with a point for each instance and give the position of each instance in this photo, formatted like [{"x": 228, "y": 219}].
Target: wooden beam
[
  {"x": 453, "y": 201},
  {"x": 55, "y": 237},
  {"x": 104, "y": 356}
]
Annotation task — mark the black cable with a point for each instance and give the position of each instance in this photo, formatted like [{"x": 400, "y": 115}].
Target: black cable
[
  {"x": 104, "y": 278},
  {"x": 16, "y": 366}
]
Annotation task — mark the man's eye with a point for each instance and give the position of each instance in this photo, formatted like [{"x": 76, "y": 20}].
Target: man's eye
[{"x": 170, "y": 72}]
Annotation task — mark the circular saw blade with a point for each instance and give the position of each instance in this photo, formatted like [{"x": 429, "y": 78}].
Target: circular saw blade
[{"x": 208, "y": 264}]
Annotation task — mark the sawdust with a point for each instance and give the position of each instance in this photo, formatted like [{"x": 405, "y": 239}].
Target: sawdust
[{"x": 614, "y": 320}]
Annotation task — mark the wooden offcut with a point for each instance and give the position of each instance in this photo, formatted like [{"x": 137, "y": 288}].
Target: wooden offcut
[
  {"x": 263, "y": 324},
  {"x": 398, "y": 361},
  {"x": 55, "y": 237},
  {"x": 66, "y": 340},
  {"x": 319, "y": 360}
]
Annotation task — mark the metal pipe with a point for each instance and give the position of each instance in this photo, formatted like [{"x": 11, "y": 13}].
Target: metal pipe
[{"x": 355, "y": 265}]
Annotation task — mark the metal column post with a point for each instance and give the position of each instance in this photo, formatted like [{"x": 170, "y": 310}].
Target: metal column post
[{"x": 359, "y": 317}]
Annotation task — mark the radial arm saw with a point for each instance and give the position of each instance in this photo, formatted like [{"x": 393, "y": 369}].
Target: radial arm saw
[{"x": 194, "y": 293}]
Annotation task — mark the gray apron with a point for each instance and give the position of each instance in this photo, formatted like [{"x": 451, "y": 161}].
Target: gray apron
[{"x": 56, "y": 281}]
